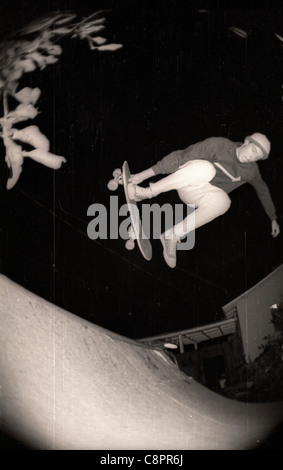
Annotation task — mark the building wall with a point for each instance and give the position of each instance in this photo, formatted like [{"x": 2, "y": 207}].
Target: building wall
[
  {"x": 212, "y": 359},
  {"x": 253, "y": 310}
]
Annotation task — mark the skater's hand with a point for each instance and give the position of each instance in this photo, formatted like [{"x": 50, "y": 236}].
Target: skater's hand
[
  {"x": 140, "y": 177},
  {"x": 275, "y": 229},
  {"x": 136, "y": 179}
]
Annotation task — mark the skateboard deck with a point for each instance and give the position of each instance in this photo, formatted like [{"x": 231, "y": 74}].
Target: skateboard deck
[{"x": 136, "y": 232}]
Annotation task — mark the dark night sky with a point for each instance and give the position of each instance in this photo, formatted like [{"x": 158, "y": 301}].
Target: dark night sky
[{"x": 181, "y": 76}]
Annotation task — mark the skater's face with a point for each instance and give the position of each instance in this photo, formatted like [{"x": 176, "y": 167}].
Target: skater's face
[{"x": 249, "y": 152}]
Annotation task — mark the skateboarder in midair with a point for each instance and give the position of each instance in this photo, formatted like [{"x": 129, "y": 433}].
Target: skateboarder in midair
[{"x": 204, "y": 174}]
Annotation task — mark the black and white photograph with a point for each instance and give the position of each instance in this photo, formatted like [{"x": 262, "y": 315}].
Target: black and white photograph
[{"x": 141, "y": 222}]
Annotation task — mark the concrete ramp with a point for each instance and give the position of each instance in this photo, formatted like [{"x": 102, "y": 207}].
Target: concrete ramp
[{"x": 68, "y": 384}]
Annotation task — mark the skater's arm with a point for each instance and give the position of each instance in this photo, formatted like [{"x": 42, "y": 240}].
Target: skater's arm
[
  {"x": 208, "y": 149},
  {"x": 264, "y": 196},
  {"x": 167, "y": 165},
  {"x": 140, "y": 177},
  {"x": 205, "y": 150},
  {"x": 275, "y": 229},
  {"x": 170, "y": 163}
]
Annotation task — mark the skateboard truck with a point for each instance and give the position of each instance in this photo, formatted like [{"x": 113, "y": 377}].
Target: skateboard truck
[
  {"x": 112, "y": 186},
  {"x": 114, "y": 183},
  {"x": 130, "y": 243}
]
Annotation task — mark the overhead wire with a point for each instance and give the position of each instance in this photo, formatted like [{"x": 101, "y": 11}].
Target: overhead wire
[{"x": 114, "y": 252}]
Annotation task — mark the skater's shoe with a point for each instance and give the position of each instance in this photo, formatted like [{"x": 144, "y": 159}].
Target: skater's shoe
[
  {"x": 138, "y": 193},
  {"x": 169, "y": 249}
]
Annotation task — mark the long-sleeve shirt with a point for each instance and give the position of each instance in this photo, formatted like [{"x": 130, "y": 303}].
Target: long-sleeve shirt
[{"x": 230, "y": 172}]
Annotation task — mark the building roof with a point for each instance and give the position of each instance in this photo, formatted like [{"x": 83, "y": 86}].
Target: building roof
[{"x": 193, "y": 335}]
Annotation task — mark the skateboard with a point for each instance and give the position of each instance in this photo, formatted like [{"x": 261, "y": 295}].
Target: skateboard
[{"x": 136, "y": 234}]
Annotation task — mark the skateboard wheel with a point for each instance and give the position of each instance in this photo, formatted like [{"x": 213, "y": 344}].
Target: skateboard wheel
[
  {"x": 130, "y": 244},
  {"x": 112, "y": 185},
  {"x": 117, "y": 172}
]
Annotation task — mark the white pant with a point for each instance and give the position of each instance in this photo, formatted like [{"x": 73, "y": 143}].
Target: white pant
[{"x": 192, "y": 183}]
